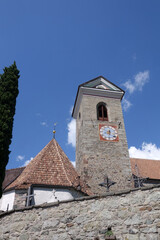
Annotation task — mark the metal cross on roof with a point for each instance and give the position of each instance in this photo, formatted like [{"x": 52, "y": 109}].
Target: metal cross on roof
[
  {"x": 138, "y": 180},
  {"x": 107, "y": 183}
]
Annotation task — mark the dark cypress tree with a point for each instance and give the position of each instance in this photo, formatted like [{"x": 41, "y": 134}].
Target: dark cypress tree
[{"x": 8, "y": 94}]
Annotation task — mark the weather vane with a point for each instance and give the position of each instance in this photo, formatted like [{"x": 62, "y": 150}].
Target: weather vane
[{"x": 54, "y": 130}]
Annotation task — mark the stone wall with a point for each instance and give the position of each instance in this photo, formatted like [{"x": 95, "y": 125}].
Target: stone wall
[
  {"x": 96, "y": 158},
  {"x": 132, "y": 215},
  {"x": 20, "y": 198}
]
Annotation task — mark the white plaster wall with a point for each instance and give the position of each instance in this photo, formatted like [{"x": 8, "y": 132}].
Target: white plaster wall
[
  {"x": 7, "y": 199},
  {"x": 47, "y": 195}
]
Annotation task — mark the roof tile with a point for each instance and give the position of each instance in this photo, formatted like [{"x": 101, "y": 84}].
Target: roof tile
[
  {"x": 147, "y": 168},
  {"x": 11, "y": 175}
]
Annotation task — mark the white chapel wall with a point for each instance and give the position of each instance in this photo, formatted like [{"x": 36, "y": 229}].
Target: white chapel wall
[
  {"x": 7, "y": 201},
  {"x": 47, "y": 195}
]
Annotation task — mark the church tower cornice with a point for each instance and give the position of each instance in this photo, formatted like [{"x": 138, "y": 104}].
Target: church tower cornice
[{"x": 99, "y": 86}]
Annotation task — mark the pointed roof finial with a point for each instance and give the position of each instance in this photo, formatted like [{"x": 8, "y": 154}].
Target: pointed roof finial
[{"x": 54, "y": 130}]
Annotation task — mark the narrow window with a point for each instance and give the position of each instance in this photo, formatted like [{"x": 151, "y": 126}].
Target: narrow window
[{"x": 102, "y": 113}]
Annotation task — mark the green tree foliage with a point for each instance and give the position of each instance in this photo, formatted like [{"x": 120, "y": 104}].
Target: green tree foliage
[{"x": 8, "y": 94}]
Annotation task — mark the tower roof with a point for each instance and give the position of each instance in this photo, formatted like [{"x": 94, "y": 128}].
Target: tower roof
[
  {"x": 98, "y": 86},
  {"x": 50, "y": 167},
  {"x": 98, "y": 81}
]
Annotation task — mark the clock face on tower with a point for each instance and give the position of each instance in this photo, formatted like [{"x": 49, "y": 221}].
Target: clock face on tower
[{"x": 108, "y": 133}]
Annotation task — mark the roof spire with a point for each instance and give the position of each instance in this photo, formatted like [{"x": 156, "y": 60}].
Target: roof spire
[{"x": 54, "y": 130}]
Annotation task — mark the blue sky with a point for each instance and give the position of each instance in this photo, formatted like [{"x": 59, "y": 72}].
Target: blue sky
[{"x": 58, "y": 45}]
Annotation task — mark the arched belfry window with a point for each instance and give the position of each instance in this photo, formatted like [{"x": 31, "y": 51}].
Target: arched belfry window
[{"x": 102, "y": 114}]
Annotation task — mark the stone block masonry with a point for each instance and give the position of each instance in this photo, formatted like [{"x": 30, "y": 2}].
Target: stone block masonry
[
  {"x": 131, "y": 214},
  {"x": 95, "y": 158}
]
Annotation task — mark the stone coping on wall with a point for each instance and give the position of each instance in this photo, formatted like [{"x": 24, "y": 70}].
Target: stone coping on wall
[{"x": 54, "y": 204}]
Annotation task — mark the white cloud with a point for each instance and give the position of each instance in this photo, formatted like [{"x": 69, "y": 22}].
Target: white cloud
[
  {"x": 26, "y": 162},
  {"x": 44, "y": 124},
  {"x": 134, "y": 57},
  {"x": 72, "y": 132},
  {"x": 74, "y": 163},
  {"x": 139, "y": 80},
  {"x": 71, "y": 110},
  {"x": 126, "y": 104},
  {"x": 146, "y": 151},
  {"x": 20, "y": 158},
  {"x": 129, "y": 86}
]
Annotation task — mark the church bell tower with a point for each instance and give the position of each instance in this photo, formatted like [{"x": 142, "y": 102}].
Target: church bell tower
[{"x": 101, "y": 144}]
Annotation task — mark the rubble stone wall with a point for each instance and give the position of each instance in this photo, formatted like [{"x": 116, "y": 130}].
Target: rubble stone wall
[{"x": 132, "y": 215}]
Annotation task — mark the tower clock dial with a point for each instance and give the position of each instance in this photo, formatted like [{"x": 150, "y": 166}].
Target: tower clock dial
[{"x": 108, "y": 133}]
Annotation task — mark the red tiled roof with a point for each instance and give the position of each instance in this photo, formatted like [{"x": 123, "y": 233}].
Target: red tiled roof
[
  {"x": 147, "y": 168},
  {"x": 11, "y": 175},
  {"x": 50, "y": 167}
]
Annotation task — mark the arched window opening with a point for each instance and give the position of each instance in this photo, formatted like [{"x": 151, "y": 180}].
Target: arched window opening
[{"x": 102, "y": 114}]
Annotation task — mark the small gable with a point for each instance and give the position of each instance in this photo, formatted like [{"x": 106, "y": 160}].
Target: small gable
[
  {"x": 100, "y": 87},
  {"x": 101, "y": 83}
]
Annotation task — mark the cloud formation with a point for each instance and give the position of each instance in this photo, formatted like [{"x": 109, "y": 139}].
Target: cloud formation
[
  {"x": 138, "y": 82},
  {"x": 71, "y": 110},
  {"x": 20, "y": 158},
  {"x": 44, "y": 124},
  {"x": 73, "y": 163},
  {"x": 146, "y": 151},
  {"x": 26, "y": 162},
  {"x": 126, "y": 104},
  {"x": 72, "y": 132},
  {"x": 134, "y": 57}
]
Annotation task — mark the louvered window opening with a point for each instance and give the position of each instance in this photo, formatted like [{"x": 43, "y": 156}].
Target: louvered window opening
[{"x": 102, "y": 113}]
